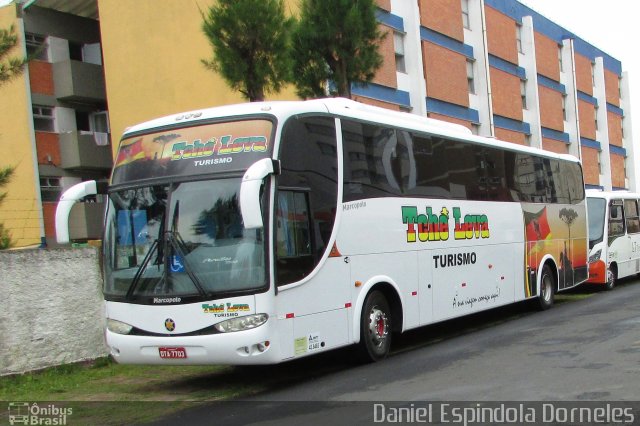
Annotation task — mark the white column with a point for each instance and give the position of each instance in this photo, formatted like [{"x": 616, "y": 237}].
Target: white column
[
  {"x": 568, "y": 78},
  {"x": 632, "y": 162},
  {"x": 413, "y": 80},
  {"x": 482, "y": 100},
  {"x": 527, "y": 60},
  {"x": 602, "y": 133}
]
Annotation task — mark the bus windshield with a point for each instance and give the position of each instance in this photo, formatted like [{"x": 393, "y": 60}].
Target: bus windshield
[
  {"x": 180, "y": 240},
  {"x": 596, "y": 214}
]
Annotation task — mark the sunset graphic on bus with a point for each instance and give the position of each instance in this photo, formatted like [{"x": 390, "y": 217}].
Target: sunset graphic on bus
[{"x": 548, "y": 230}]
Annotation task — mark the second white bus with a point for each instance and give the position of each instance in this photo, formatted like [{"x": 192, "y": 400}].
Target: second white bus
[{"x": 614, "y": 236}]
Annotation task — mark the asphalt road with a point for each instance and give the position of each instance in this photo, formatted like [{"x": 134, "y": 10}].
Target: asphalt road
[{"x": 585, "y": 349}]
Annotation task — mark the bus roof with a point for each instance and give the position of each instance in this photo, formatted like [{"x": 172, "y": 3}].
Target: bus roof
[{"x": 282, "y": 110}]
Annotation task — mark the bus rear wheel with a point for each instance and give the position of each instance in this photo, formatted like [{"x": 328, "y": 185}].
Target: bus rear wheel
[
  {"x": 612, "y": 277},
  {"x": 375, "y": 328},
  {"x": 547, "y": 289}
]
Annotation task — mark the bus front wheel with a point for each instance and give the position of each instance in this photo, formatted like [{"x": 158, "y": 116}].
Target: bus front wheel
[
  {"x": 375, "y": 328},
  {"x": 547, "y": 288}
]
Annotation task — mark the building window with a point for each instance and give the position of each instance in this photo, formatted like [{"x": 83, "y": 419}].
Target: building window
[
  {"x": 470, "y": 77},
  {"x": 465, "y": 14},
  {"x": 523, "y": 93},
  {"x": 43, "y": 119},
  {"x": 519, "y": 38},
  {"x": 593, "y": 74},
  {"x": 560, "y": 59},
  {"x": 595, "y": 117},
  {"x": 100, "y": 122},
  {"x": 619, "y": 88},
  {"x": 36, "y": 46},
  {"x": 398, "y": 44},
  {"x": 75, "y": 51},
  {"x": 564, "y": 107},
  {"x": 50, "y": 188}
]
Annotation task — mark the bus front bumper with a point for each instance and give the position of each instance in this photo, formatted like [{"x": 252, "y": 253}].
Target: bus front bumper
[
  {"x": 597, "y": 272},
  {"x": 253, "y": 346}
]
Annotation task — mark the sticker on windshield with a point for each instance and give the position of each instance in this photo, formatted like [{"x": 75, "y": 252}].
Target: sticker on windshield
[{"x": 177, "y": 264}]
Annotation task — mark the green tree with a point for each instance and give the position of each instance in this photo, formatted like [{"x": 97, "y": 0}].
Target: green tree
[
  {"x": 5, "y": 176},
  {"x": 251, "y": 45},
  {"x": 10, "y": 67},
  {"x": 335, "y": 41}
]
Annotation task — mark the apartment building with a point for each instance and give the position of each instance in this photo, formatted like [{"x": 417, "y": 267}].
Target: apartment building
[
  {"x": 54, "y": 126},
  {"x": 505, "y": 71},
  {"x": 494, "y": 66}
]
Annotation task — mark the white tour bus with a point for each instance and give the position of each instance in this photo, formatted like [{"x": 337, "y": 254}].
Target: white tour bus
[
  {"x": 614, "y": 236},
  {"x": 263, "y": 232}
]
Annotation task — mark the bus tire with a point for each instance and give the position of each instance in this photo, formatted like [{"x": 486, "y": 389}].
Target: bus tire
[
  {"x": 547, "y": 288},
  {"x": 612, "y": 278},
  {"x": 375, "y": 328}
]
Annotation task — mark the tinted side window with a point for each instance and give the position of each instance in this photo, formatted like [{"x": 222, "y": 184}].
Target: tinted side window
[
  {"x": 386, "y": 162},
  {"x": 524, "y": 177},
  {"x": 572, "y": 174},
  {"x": 307, "y": 196},
  {"x": 492, "y": 176},
  {"x": 616, "y": 219},
  {"x": 631, "y": 215},
  {"x": 543, "y": 180},
  {"x": 373, "y": 161},
  {"x": 432, "y": 173}
]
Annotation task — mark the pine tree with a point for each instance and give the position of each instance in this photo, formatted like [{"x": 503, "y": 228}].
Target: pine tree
[
  {"x": 251, "y": 45},
  {"x": 335, "y": 41},
  {"x": 13, "y": 66}
]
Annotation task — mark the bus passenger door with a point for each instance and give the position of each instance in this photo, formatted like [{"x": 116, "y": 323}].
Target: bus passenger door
[
  {"x": 312, "y": 285},
  {"x": 313, "y": 295},
  {"x": 619, "y": 242}
]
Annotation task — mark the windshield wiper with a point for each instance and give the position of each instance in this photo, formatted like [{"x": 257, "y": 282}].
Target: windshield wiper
[{"x": 141, "y": 269}]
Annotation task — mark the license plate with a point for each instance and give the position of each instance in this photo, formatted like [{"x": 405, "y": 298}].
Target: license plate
[{"x": 172, "y": 353}]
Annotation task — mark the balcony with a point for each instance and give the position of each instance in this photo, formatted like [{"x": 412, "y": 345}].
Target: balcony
[
  {"x": 77, "y": 81},
  {"x": 79, "y": 150},
  {"x": 85, "y": 221}
]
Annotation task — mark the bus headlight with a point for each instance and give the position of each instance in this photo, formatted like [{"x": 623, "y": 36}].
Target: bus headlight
[
  {"x": 118, "y": 327},
  {"x": 595, "y": 256},
  {"x": 242, "y": 323}
]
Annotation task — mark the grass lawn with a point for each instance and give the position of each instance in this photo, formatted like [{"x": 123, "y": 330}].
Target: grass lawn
[{"x": 106, "y": 393}]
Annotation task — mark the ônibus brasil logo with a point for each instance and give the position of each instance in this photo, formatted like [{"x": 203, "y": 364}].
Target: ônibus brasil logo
[{"x": 25, "y": 413}]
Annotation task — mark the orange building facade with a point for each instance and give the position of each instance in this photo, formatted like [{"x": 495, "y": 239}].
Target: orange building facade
[{"x": 503, "y": 70}]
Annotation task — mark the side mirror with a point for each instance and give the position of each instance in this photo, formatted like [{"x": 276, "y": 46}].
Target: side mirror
[
  {"x": 250, "y": 191},
  {"x": 67, "y": 200}
]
